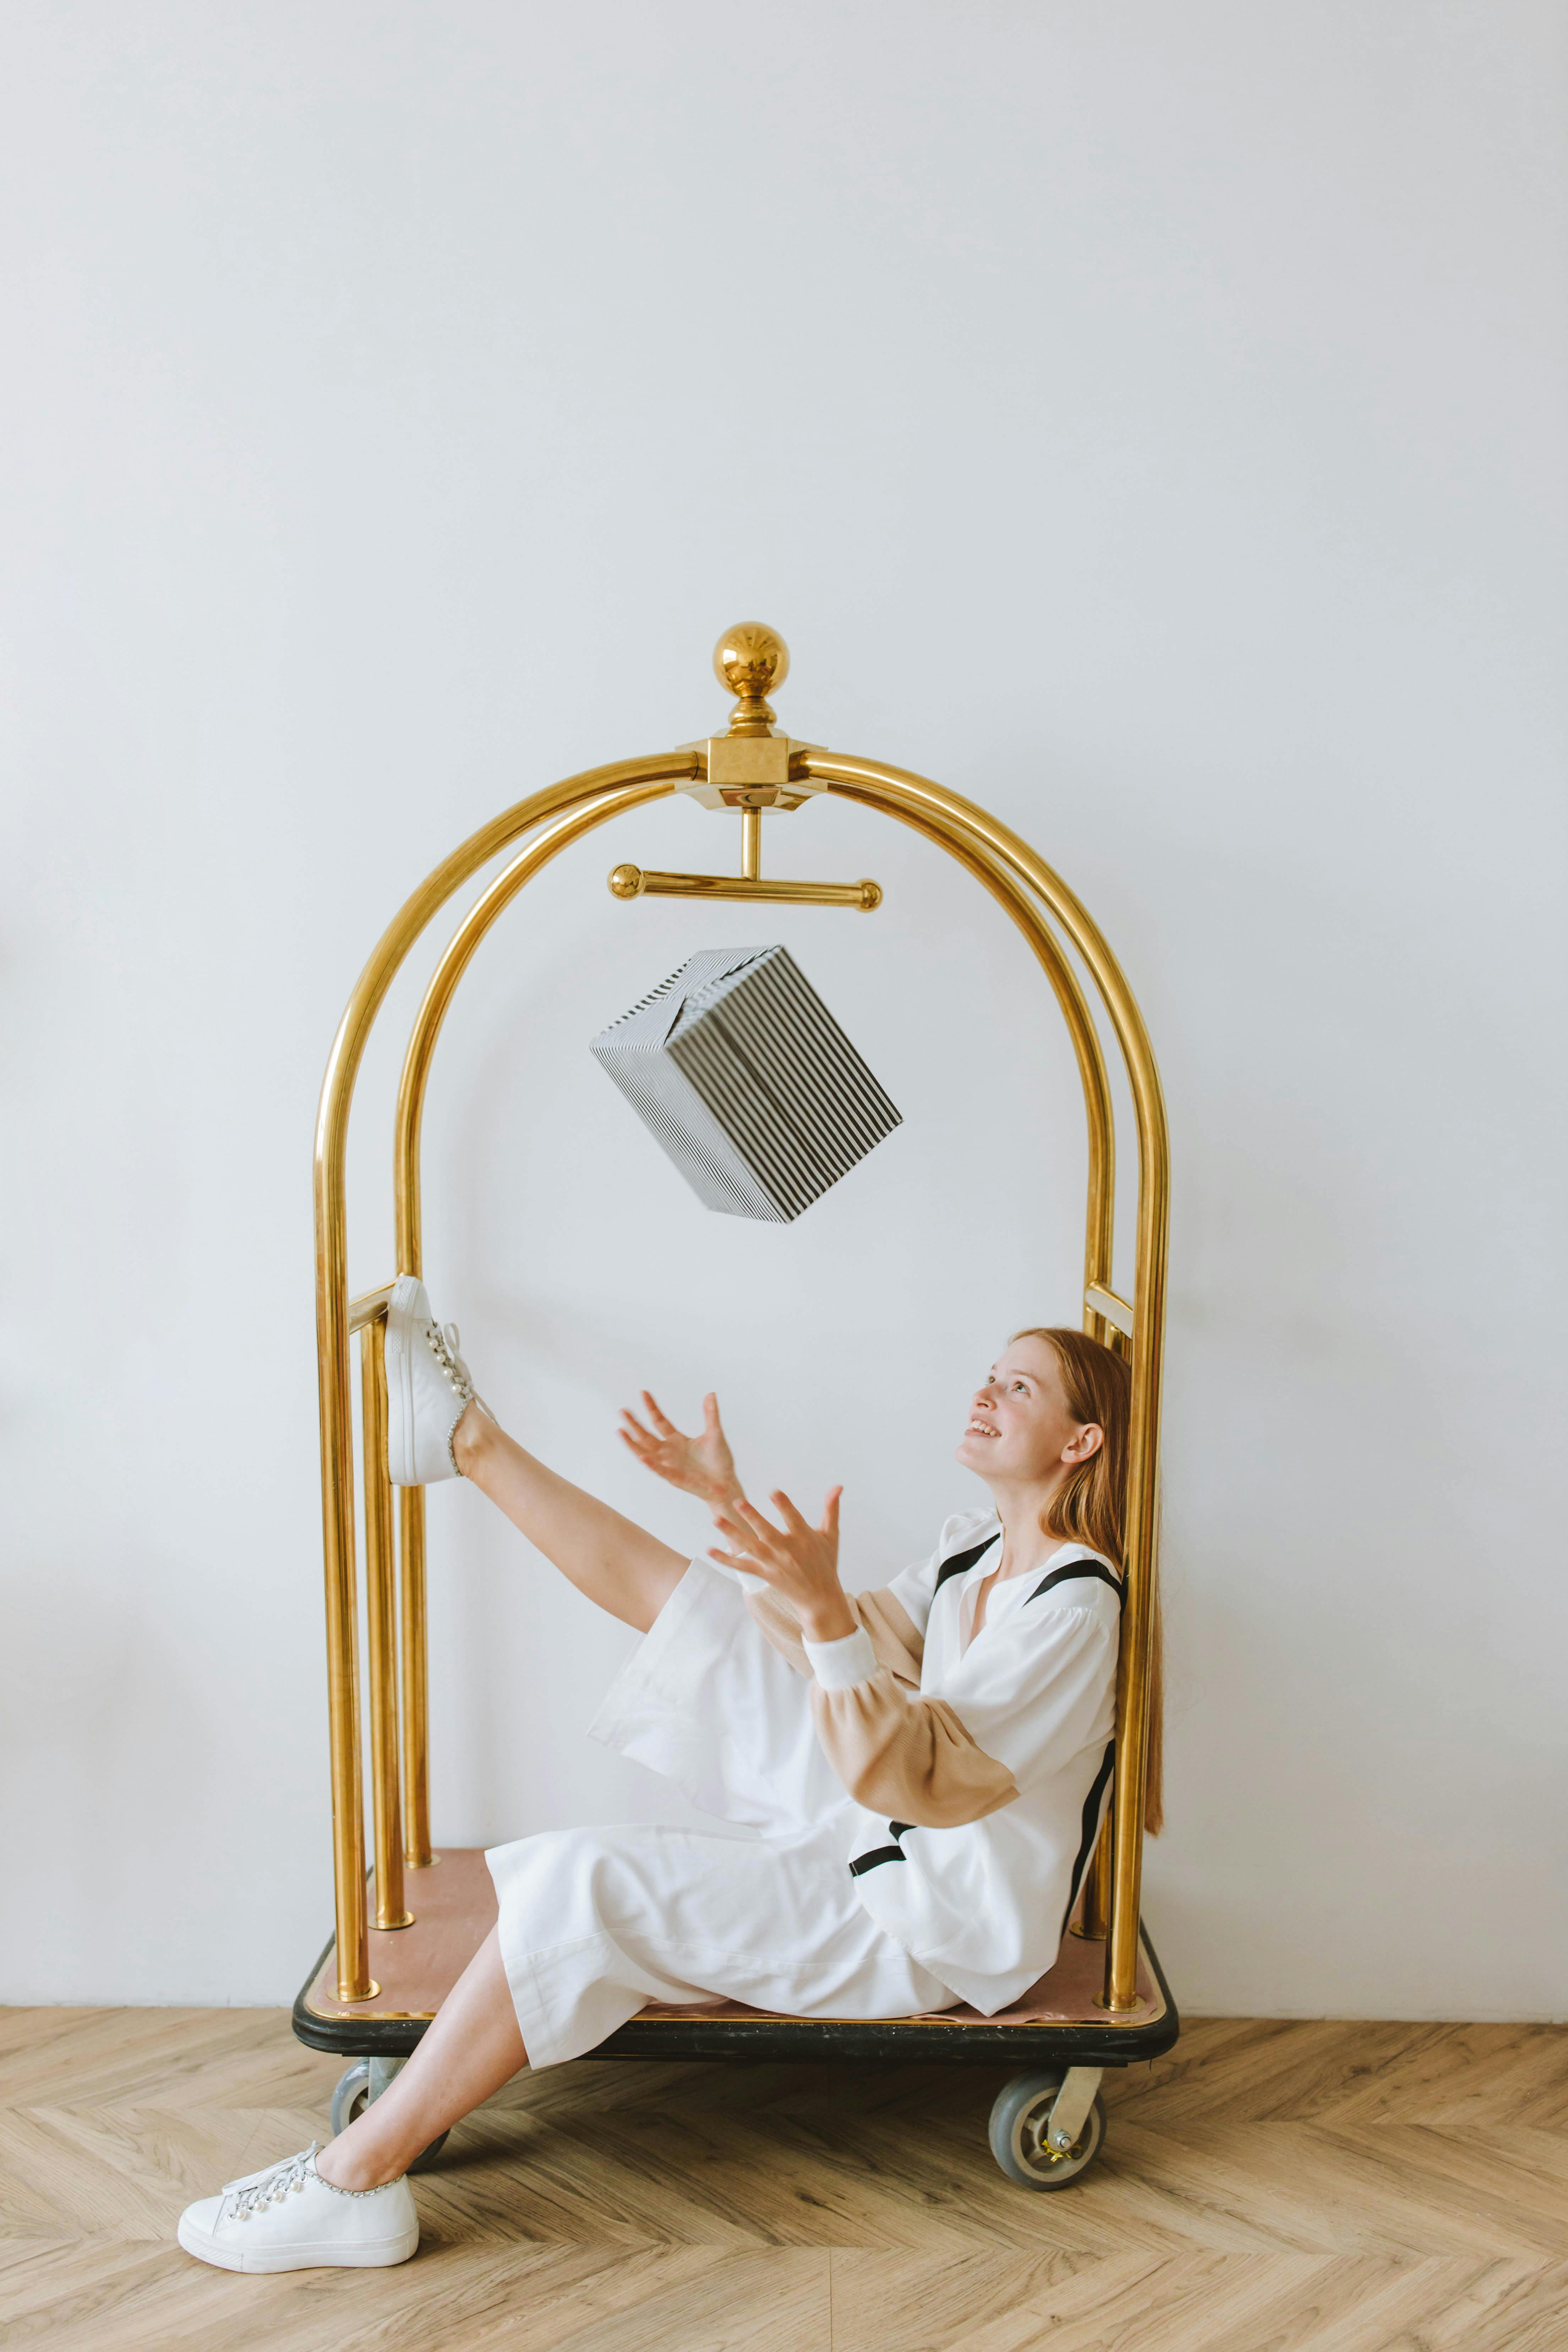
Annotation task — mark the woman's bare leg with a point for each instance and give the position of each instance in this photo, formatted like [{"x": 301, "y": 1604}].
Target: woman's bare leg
[
  {"x": 473, "y": 2045},
  {"x": 613, "y": 1560},
  {"x": 470, "y": 2048}
]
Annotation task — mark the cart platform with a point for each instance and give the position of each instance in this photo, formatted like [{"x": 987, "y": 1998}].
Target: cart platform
[{"x": 1058, "y": 2020}]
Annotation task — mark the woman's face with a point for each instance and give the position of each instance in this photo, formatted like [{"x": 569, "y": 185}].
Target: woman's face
[{"x": 1019, "y": 1425}]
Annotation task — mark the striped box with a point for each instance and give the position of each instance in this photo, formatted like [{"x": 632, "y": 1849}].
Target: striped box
[{"x": 740, "y": 1071}]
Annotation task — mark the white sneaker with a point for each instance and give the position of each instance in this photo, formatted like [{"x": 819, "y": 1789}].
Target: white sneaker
[
  {"x": 287, "y": 2218},
  {"x": 428, "y": 1388}
]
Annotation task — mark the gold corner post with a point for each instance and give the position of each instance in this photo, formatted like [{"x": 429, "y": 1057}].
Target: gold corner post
[
  {"x": 958, "y": 824},
  {"x": 381, "y": 1630},
  {"x": 642, "y": 779},
  {"x": 414, "y": 1644},
  {"x": 750, "y": 768}
]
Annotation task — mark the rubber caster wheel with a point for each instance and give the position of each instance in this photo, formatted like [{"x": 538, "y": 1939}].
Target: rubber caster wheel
[
  {"x": 351, "y": 2096},
  {"x": 1018, "y": 2123}
]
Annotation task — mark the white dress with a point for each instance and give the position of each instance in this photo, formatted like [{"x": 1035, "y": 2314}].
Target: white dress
[{"x": 827, "y": 1910}]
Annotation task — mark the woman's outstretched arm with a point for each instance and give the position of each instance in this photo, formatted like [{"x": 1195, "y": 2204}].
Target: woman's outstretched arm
[
  {"x": 703, "y": 1465},
  {"x": 618, "y": 1564}
]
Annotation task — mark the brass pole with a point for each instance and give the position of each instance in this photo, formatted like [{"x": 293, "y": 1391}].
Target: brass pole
[
  {"x": 914, "y": 798},
  {"x": 1094, "y": 1916},
  {"x": 456, "y": 957},
  {"x": 751, "y": 844},
  {"x": 593, "y": 809},
  {"x": 636, "y": 882},
  {"x": 1099, "y": 1221},
  {"x": 332, "y": 1310},
  {"x": 1101, "y": 1214},
  {"x": 1094, "y": 1920},
  {"x": 416, "y": 1678},
  {"x": 381, "y": 1632}
]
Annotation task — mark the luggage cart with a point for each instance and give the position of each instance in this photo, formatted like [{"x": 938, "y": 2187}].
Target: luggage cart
[{"x": 405, "y": 1929}]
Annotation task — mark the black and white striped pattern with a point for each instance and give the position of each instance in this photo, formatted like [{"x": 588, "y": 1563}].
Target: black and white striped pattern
[{"x": 742, "y": 1075}]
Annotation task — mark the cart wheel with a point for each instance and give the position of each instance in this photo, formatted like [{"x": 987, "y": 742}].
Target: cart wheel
[
  {"x": 350, "y": 2100},
  {"x": 1018, "y": 2123}
]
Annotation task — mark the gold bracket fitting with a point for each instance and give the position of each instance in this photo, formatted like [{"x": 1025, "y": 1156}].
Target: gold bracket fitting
[
  {"x": 750, "y": 766},
  {"x": 749, "y": 769}
]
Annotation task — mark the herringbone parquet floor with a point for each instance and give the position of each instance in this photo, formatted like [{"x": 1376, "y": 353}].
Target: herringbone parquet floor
[{"x": 1267, "y": 2188}]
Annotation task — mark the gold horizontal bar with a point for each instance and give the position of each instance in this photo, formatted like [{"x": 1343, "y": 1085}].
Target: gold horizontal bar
[
  {"x": 1115, "y": 1310},
  {"x": 371, "y": 1307},
  {"x": 637, "y": 882}
]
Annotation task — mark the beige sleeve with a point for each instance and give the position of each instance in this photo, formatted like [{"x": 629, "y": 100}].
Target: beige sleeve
[
  {"x": 895, "y": 1752},
  {"x": 908, "y": 1757},
  {"x": 894, "y": 1636}
]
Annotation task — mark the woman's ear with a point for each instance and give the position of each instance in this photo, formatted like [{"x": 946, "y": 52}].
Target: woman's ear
[{"x": 1088, "y": 1442}]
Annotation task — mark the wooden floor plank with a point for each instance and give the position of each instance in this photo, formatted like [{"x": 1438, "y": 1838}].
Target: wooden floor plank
[
  {"x": 930, "y": 2303},
  {"x": 1268, "y": 2187}
]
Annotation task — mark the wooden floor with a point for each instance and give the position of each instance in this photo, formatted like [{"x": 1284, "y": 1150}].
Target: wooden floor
[{"x": 1265, "y": 2188}]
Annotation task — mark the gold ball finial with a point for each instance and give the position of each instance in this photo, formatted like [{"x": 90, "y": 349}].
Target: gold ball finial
[{"x": 751, "y": 660}]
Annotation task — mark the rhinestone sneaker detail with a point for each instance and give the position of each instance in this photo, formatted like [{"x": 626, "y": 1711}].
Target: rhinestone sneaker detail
[
  {"x": 443, "y": 1340},
  {"x": 288, "y": 2217}
]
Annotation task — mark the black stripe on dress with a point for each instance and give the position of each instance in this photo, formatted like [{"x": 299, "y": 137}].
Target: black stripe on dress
[
  {"x": 964, "y": 1560},
  {"x": 864, "y": 1862},
  {"x": 1093, "y": 1567},
  {"x": 957, "y": 1566},
  {"x": 1091, "y": 1805},
  {"x": 879, "y": 1853}
]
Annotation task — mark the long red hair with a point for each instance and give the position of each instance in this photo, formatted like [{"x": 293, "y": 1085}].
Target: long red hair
[{"x": 1089, "y": 1507}]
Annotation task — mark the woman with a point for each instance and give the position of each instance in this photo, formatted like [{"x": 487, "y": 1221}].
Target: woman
[{"x": 924, "y": 1767}]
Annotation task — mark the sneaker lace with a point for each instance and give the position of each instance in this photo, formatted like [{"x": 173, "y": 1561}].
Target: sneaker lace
[
  {"x": 444, "y": 1343},
  {"x": 274, "y": 2186}
]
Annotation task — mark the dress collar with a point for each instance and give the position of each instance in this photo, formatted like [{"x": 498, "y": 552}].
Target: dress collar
[{"x": 1009, "y": 1593}]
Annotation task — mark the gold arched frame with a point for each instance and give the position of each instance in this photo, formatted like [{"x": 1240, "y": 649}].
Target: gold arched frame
[{"x": 1023, "y": 884}]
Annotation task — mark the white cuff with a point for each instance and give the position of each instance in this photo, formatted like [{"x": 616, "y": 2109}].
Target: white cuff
[
  {"x": 839, "y": 1666},
  {"x": 750, "y": 1585}
]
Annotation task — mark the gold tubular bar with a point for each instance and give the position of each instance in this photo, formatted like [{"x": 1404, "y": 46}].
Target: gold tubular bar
[
  {"x": 332, "y": 1306},
  {"x": 567, "y": 828},
  {"x": 1100, "y": 1212},
  {"x": 456, "y": 957},
  {"x": 751, "y": 844},
  {"x": 1105, "y": 1303},
  {"x": 1098, "y": 1223},
  {"x": 411, "y": 1755},
  {"x": 636, "y": 882},
  {"x": 369, "y": 1308},
  {"x": 381, "y": 1637},
  {"x": 1093, "y": 1922},
  {"x": 912, "y": 798},
  {"x": 415, "y": 1743}
]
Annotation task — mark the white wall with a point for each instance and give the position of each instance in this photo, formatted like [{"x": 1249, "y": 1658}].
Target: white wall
[{"x": 1145, "y": 418}]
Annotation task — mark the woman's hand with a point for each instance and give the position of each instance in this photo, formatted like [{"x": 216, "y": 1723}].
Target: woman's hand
[
  {"x": 800, "y": 1562},
  {"x": 703, "y": 1465}
]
